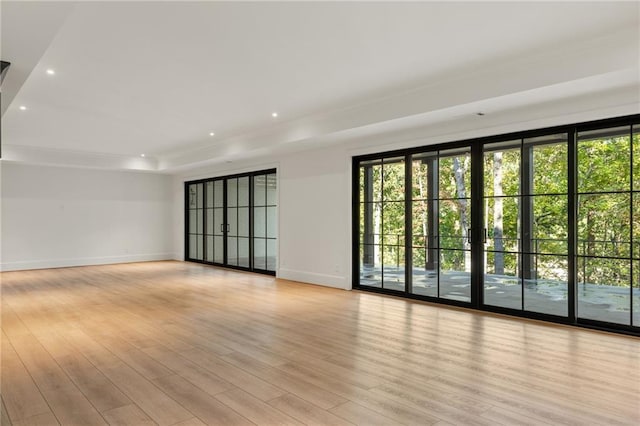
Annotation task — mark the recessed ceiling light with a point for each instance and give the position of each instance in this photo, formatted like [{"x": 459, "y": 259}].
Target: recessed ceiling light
[
  {"x": 212, "y": 134},
  {"x": 142, "y": 155},
  {"x": 480, "y": 113},
  {"x": 23, "y": 108},
  {"x": 274, "y": 114},
  {"x": 50, "y": 71}
]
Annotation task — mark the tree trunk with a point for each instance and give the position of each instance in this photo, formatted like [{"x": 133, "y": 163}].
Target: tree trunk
[
  {"x": 498, "y": 231},
  {"x": 461, "y": 195}
]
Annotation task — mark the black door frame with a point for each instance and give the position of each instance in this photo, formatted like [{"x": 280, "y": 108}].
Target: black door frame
[
  {"x": 477, "y": 226},
  {"x": 224, "y": 179}
]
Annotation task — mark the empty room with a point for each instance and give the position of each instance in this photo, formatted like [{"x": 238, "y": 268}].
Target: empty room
[{"x": 320, "y": 213}]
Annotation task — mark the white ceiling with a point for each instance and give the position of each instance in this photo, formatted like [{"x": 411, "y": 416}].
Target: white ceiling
[{"x": 157, "y": 77}]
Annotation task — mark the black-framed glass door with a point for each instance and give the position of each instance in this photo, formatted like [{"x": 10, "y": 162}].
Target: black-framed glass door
[
  {"x": 223, "y": 223},
  {"x": 526, "y": 223},
  {"x": 543, "y": 223}
]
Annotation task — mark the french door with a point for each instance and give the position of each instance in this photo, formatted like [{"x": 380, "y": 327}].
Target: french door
[
  {"x": 543, "y": 223},
  {"x": 231, "y": 221}
]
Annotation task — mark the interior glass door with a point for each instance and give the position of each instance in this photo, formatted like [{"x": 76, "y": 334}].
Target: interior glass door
[{"x": 441, "y": 223}]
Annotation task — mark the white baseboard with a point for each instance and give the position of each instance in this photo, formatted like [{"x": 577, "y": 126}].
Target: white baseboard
[
  {"x": 85, "y": 261},
  {"x": 326, "y": 280}
]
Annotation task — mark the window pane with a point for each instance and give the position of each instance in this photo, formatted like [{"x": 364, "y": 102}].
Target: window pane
[
  {"x": 218, "y": 249},
  {"x": 549, "y": 162},
  {"x": 603, "y": 289},
  {"x": 243, "y": 191},
  {"x": 425, "y": 274},
  {"x": 549, "y": 224},
  {"x": 604, "y": 160},
  {"x": 193, "y": 221},
  {"x": 636, "y": 293},
  {"x": 218, "y": 217},
  {"x": 370, "y": 265},
  {"x": 271, "y": 255},
  {"x": 393, "y": 180},
  {"x": 259, "y": 253},
  {"x": 372, "y": 182},
  {"x": 232, "y": 251},
  {"x": 232, "y": 192},
  {"x": 502, "y": 169},
  {"x": 393, "y": 267},
  {"x": 209, "y": 227},
  {"x": 199, "y": 190},
  {"x": 259, "y": 190},
  {"x": 546, "y": 289},
  {"x": 199, "y": 219},
  {"x": 393, "y": 221},
  {"x": 502, "y": 220},
  {"x": 603, "y": 225},
  {"x": 454, "y": 224},
  {"x": 636, "y": 225},
  {"x": 243, "y": 252},
  {"x": 272, "y": 194},
  {"x": 636, "y": 157},
  {"x": 454, "y": 174},
  {"x": 209, "y": 256},
  {"x": 424, "y": 179},
  {"x": 193, "y": 196},
  {"x": 209, "y": 194},
  {"x": 193, "y": 247},
  {"x": 259, "y": 222},
  {"x": 272, "y": 222},
  {"x": 502, "y": 283},
  {"x": 218, "y": 193},
  {"x": 455, "y": 276},
  {"x": 232, "y": 221},
  {"x": 243, "y": 221}
]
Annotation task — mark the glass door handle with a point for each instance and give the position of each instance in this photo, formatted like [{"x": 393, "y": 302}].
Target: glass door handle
[
  {"x": 222, "y": 227},
  {"x": 228, "y": 227},
  {"x": 469, "y": 235}
]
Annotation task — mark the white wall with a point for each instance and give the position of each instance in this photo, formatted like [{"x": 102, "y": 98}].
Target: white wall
[
  {"x": 314, "y": 190},
  {"x": 56, "y": 216}
]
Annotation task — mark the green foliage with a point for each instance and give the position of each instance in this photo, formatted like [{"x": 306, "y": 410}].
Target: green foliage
[{"x": 605, "y": 222}]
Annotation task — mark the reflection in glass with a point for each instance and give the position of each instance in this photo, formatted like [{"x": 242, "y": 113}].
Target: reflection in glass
[
  {"x": 272, "y": 190},
  {"x": 243, "y": 221},
  {"x": 218, "y": 193},
  {"x": 232, "y": 192},
  {"x": 209, "y": 257},
  {"x": 243, "y": 252},
  {"x": 243, "y": 191},
  {"x": 272, "y": 222},
  {"x": 259, "y": 253},
  {"x": 271, "y": 255},
  {"x": 259, "y": 190},
  {"x": 546, "y": 291},
  {"x": 455, "y": 281},
  {"x": 502, "y": 282},
  {"x": 218, "y": 249},
  {"x": 232, "y": 251},
  {"x": 603, "y": 289}
]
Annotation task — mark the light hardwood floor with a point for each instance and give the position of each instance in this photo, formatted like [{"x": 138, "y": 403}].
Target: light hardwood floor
[{"x": 174, "y": 343}]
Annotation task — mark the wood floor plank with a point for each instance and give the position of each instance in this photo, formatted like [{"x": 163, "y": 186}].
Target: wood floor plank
[
  {"x": 47, "y": 419},
  {"x": 181, "y": 343},
  {"x": 301, "y": 388},
  {"x": 254, "y": 409},
  {"x": 127, "y": 415},
  {"x": 360, "y": 415},
  {"x": 203, "y": 405},
  {"x": 306, "y": 412},
  {"x": 19, "y": 392}
]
